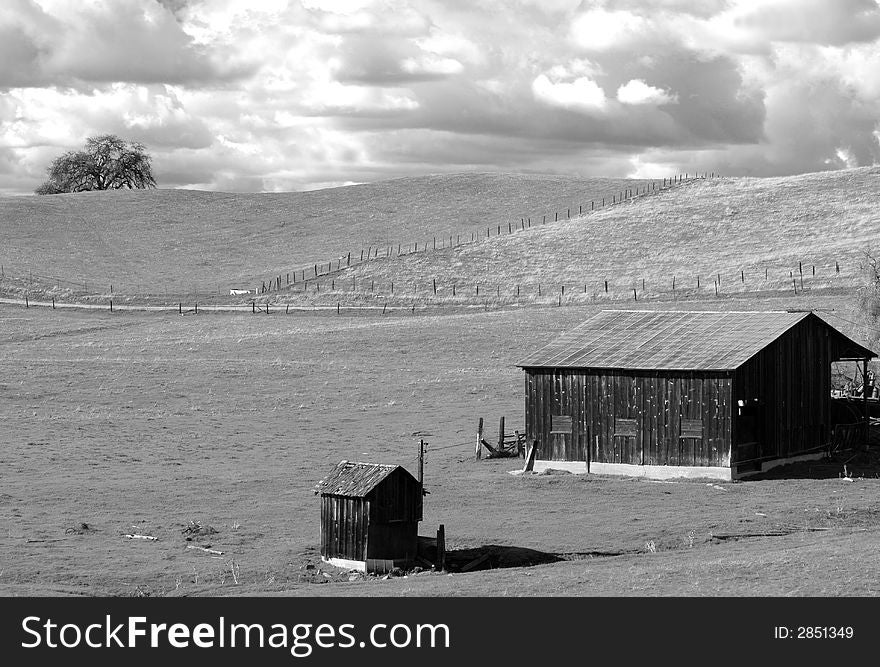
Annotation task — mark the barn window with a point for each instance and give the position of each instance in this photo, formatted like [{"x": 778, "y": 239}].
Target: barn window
[
  {"x": 560, "y": 424},
  {"x": 625, "y": 428},
  {"x": 691, "y": 428}
]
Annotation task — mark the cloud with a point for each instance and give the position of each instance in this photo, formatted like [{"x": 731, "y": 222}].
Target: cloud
[
  {"x": 637, "y": 91},
  {"x": 570, "y": 87},
  {"x": 234, "y": 94}
]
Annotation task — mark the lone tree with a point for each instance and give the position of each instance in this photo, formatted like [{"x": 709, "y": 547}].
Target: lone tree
[{"x": 106, "y": 163}]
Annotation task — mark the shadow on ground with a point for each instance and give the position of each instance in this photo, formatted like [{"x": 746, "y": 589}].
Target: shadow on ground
[
  {"x": 493, "y": 556},
  {"x": 850, "y": 463}
]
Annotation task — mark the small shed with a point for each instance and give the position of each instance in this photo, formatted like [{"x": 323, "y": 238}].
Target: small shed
[
  {"x": 370, "y": 515},
  {"x": 684, "y": 393}
]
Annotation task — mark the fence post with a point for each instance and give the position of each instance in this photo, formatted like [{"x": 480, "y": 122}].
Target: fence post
[
  {"x": 179, "y": 308},
  {"x": 478, "y": 452},
  {"x": 501, "y": 434},
  {"x": 635, "y": 296},
  {"x": 441, "y": 548},
  {"x": 606, "y": 287}
]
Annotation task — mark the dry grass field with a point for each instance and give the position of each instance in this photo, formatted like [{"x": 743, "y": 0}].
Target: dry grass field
[
  {"x": 211, "y": 430},
  {"x": 752, "y": 234},
  {"x": 183, "y": 241}
]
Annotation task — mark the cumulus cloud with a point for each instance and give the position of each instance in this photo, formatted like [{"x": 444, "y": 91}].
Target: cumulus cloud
[
  {"x": 637, "y": 91},
  {"x": 581, "y": 93},
  {"x": 301, "y": 93}
]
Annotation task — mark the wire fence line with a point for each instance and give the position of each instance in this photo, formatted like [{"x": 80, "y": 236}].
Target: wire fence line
[{"x": 317, "y": 271}]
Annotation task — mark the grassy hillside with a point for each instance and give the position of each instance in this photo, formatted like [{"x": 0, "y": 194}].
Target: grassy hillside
[
  {"x": 767, "y": 228},
  {"x": 184, "y": 240}
]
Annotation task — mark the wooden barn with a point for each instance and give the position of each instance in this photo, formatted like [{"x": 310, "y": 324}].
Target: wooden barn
[
  {"x": 370, "y": 516},
  {"x": 684, "y": 394}
]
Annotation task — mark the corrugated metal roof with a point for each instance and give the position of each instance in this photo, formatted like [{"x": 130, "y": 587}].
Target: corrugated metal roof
[
  {"x": 665, "y": 340},
  {"x": 353, "y": 479}
]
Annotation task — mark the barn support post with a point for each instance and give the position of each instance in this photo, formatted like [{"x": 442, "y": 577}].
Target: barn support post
[
  {"x": 422, "y": 462},
  {"x": 478, "y": 452}
]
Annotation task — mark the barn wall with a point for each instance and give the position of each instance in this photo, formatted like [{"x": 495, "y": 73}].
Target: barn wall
[
  {"x": 657, "y": 402},
  {"x": 791, "y": 378},
  {"x": 344, "y": 524}
]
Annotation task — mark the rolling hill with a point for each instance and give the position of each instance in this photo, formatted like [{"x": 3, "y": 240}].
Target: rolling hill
[
  {"x": 183, "y": 240},
  {"x": 746, "y": 234}
]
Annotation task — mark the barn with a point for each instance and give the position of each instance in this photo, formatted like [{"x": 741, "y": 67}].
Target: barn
[
  {"x": 370, "y": 516},
  {"x": 684, "y": 393}
]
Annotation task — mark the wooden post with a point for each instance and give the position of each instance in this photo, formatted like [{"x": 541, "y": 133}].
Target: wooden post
[
  {"x": 197, "y": 307},
  {"x": 253, "y": 306},
  {"x": 606, "y": 287},
  {"x": 478, "y": 452},
  {"x": 422, "y": 463},
  {"x": 384, "y": 306},
  {"x": 337, "y": 308},
  {"x": 501, "y": 435},
  {"x": 111, "y": 305},
  {"x": 267, "y": 307},
  {"x": 26, "y": 302},
  {"x": 53, "y": 303},
  {"x": 180, "y": 308},
  {"x": 837, "y": 267},
  {"x": 441, "y": 548},
  {"x": 530, "y": 457},
  {"x": 434, "y": 284}
]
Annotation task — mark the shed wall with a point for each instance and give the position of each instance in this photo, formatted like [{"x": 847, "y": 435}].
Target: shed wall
[{"x": 344, "y": 525}]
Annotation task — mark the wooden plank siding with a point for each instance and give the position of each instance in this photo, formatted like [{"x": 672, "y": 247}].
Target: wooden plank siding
[{"x": 656, "y": 401}]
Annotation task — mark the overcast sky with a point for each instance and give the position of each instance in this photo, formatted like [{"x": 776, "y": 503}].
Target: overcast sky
[{"x": 267, "y": 95}]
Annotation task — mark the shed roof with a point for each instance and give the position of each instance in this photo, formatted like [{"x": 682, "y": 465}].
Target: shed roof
[
  {"x": 670, "y": 340},
  {"x": 353, "y": 479}
]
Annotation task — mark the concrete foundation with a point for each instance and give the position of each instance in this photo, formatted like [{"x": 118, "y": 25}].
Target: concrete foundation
[
  {"x": 347, "y": 564},
  {"x": 722, "y": 473}
]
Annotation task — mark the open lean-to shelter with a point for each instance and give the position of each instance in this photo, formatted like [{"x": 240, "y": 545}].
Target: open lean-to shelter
[
  {"x": 684, "y": 394},
  {"x": 370, "y": 515}
]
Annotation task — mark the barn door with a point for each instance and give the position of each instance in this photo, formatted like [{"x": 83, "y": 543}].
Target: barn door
[{"x": 749, "y": 430}]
